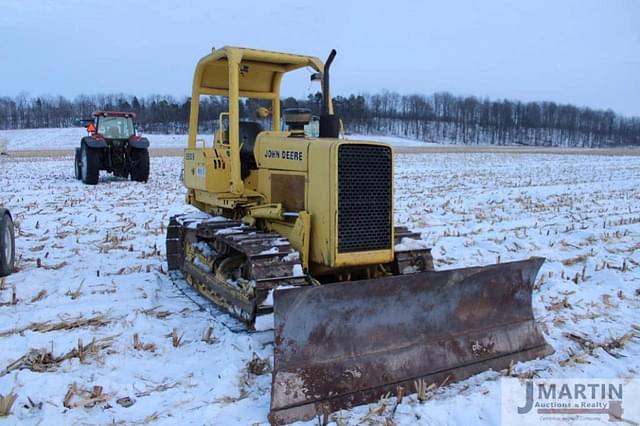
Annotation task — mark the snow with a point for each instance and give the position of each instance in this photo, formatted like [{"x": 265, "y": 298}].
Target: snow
[
  {"x": 101, "y": 253},
  {"x": 297, "y": 270},
  {"x": 265, "y": 322},
  {"x": 294, "y": 255},
  {"x": 204, "y": 248},
  {"x": 272, "y": 250},
  {"x": 194, "y": 216},
  {"x": 69, "y": 138},
  {"x": 408, "y": 244},
  {"x": 232, "y": 230},
  {"x": 391, "y": 140}
]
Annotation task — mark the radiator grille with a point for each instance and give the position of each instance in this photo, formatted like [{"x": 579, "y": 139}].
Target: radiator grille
[{"x": 364, "y": 197}]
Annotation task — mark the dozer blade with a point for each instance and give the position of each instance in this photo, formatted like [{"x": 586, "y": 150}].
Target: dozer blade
[{"x": 345, "y": 344}]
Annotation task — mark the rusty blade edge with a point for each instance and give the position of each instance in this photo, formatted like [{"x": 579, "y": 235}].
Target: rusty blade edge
[
  {"x": 314, "y": 314},
  {"x": 324, "y": 384},
  {"x": 307, "y": 411},
  {"x": 452, "y": 336},
  {"x": 349, "y": 305}
]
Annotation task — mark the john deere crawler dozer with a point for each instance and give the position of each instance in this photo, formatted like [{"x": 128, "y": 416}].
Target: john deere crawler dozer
[{"x": 302, "y": 228}]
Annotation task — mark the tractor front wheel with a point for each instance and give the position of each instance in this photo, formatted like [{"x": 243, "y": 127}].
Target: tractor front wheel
[
  {"x": 90, "y": 165},
  {"x": 77, "y": 165},
  {"x": 139, "y": 167},
  {"x": 7, "y": 245}
]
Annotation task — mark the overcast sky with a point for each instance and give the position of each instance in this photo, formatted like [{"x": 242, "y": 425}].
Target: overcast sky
[{"x": 574, "y": 51}]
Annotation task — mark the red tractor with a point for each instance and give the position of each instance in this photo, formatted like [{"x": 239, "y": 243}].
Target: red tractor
[{"x": 112, "y": 144}]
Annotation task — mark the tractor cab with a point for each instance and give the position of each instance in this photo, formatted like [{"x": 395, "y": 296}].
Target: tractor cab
[{"x": 113, "y": 125}]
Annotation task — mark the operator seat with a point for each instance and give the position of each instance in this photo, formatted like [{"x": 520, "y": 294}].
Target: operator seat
[
  {"x": 248, "y": 133},
  {"x": 111, "y": 132}
]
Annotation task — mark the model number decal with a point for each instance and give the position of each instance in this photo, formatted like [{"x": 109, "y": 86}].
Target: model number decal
[
  {"x": 283, "y": 154},
  {"x": 200, "y": 171}
]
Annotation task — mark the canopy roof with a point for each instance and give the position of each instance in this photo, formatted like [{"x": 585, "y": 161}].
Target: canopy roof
[
  {"x": 239, "y": 72},
  {"x": 260, "y": 71}
]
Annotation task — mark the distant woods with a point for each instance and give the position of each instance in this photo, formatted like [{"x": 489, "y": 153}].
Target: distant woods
[{"x": 440, "y": 118}]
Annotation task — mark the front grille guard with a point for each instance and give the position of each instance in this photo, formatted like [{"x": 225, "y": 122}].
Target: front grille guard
[{"x": 365, "y": 198}]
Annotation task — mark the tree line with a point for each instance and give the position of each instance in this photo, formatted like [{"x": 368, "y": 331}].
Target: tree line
[{"x": 439, "y": 118}]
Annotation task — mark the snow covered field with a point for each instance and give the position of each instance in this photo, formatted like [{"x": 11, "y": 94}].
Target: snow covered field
[
  {"x": 91, "y": 266},
  {"x": 392, "y": 140},
  {"x": 69, "y": 138}
]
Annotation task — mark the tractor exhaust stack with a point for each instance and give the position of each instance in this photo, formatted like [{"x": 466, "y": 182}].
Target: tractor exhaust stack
[{"x": 329, "y": 122}]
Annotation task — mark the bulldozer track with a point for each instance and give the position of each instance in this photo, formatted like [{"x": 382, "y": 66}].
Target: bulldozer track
[
  {"x": 234, "y": 265},
  {"x": 238, "y": 266},
  {"x": 212, "y": 309}
]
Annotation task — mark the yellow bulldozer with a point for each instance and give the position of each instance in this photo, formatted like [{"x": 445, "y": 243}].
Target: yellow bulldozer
[{"x": 300, "y": 230}]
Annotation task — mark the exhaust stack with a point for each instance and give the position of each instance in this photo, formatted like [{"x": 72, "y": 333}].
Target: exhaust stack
[{"x": 329, "y": 123}]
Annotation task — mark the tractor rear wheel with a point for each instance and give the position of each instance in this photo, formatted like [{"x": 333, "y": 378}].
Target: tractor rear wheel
[
  {"x": 77, "y": 165},
  {"x": 90, "y": 165},
  {"x": 139, "y": 167},
  {"x": 7, "y": 245}
]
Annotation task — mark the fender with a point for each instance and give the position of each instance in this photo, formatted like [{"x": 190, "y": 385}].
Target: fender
[
  {"x": 94, "y": 143},
  {"x": 138, "y": 142}
]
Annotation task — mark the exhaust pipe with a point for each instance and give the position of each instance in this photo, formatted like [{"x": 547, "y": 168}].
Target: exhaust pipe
[{"x": 329, "y": 123}]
